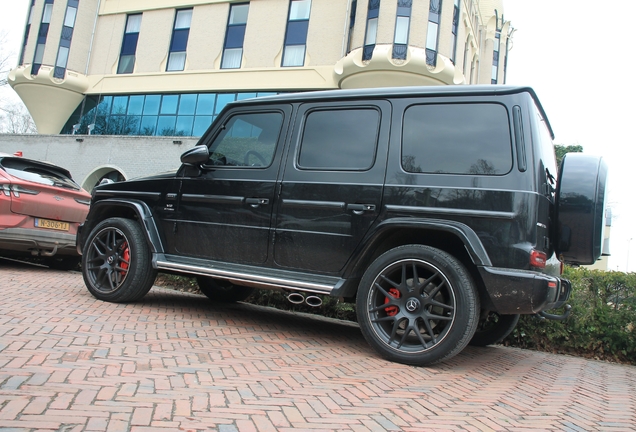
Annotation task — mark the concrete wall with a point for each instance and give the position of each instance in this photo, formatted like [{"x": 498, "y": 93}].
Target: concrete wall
[{"x": 88, "y": 157}]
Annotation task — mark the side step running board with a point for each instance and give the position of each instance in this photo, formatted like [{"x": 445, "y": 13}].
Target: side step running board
[{"x": 247, "y": 279}]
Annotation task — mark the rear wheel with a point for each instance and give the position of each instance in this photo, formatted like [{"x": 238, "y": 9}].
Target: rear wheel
[
  {"x": 220, "y": 290},
  {"x": 493, "y": 328},
  {"x": 116, "y": 263},
  {"x": 417, "y": 305}
]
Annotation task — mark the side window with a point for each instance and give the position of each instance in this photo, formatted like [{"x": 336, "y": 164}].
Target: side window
[
  {"x": 457, "y": 139},
  {"x": 247, "y": 140},
  {"x": 544, "y": 146},
  {"x": 339, "y": 139}
]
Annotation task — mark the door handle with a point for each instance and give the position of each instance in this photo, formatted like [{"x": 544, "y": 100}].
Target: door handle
[
  {"x": 256, "y": 202},
  {"x": 361, "y": 208}
]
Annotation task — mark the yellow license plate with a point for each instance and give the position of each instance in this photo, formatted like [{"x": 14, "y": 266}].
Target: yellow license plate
[{"x": 51, "y": 224}]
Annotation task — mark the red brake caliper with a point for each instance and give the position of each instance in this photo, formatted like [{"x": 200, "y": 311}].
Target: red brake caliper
[
  {"x": 126, "y": 257},
  {"x": 392, "y": 310}
]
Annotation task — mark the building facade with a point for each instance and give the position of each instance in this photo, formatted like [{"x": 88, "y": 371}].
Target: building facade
[{"x": 167, "y": 67}]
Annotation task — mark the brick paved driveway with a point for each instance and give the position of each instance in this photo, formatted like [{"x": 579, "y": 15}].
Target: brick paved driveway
[{"x": 175, "y": 361}]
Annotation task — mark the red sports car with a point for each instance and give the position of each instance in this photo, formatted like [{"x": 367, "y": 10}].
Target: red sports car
[{"x": 40, "y": 209}]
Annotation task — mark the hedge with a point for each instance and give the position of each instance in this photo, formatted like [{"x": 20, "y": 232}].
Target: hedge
[{"x": 602, "y": 323}]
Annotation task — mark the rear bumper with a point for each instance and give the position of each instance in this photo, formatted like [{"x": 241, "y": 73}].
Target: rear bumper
[
  {"x": 37, "y": 242},
  {"x": 523, "y": 292}
]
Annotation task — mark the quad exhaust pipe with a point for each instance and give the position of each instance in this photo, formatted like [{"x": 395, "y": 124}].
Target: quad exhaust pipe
[{"x": 310, "y": 300}]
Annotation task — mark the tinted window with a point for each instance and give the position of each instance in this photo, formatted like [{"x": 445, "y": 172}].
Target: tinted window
[
  {"x": 457, "y": 139},
  {"x": 247, "y": 140},
  {"x": 37, "y": 173},
  {"x": 343, "y": 139},
  {"x": 544, "y": 145}
]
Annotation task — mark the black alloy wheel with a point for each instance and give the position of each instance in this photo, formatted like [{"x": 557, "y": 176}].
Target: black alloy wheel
[
  {"x": 417, "y": 305},
  {"x": 116, "y": 262}
]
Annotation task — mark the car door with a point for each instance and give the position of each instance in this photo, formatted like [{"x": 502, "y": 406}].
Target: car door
[
  {"x": 332, "y": 184},
  {"x": 225, "y": 211}
]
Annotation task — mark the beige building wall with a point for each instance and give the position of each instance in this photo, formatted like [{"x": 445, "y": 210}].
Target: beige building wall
[
  {"x": 205, "y": 48},
  {"x": 264, "y": 34},
  {"x": 104, "y": 55},
  {"x": 154, "y": 41},
  {"x": 82, "y": 37},
  {"x": 98, "y": 35},
  {"x": 328, "y": 27}
]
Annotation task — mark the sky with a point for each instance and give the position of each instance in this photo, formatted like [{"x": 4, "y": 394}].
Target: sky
[{"x": 581, "y": 66}]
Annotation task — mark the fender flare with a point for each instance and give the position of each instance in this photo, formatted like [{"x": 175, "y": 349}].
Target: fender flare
[
  {"x": 463, "y": 232},
  {"x": 104, "y": 209}
]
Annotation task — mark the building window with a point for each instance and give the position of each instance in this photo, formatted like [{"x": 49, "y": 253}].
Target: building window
[
  {"x": 296, "y": 34},
  {"x": 26, "y": 32},
  {"x": 129, "y": 44},
  {"x": 495, "y": 59},
  {"x": 234, "y": 36},
  {"x": 179, "y": 42},
  {"x": 188, "y": 114},
  {"x": 65, "y": 39},
  {"x": 371, "y": 31},
  {"x": 432, "y": 34},
  {"x": 352, "y": 23},
  {"x": 454, "y": 30},
  {"x": 42, "y": 35},
  {"x": 402, "y": 25}
]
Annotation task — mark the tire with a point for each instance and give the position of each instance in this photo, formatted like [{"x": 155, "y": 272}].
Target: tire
[
  {"x": 417, "y": 323},
  {"x": 580, "y": 208},
  {"x": 220, "y": 290},
  {"x": 116, "y": 263},
  {"x": 493, "y": 328}
]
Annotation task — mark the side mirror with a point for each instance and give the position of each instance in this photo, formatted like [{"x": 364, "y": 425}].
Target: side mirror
[{"x": 197, "y": 155}]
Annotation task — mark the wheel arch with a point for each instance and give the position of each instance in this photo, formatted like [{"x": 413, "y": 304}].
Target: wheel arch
[
  {"x": 452, "y": 237},
  {"x": 127, "y": 209}
]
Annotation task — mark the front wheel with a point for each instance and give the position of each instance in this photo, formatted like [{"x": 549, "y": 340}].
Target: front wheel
[
  {"x": 417, "y": 305},
  {"x": 116, "y": 263}
]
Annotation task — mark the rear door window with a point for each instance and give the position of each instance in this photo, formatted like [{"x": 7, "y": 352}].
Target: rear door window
[
  {"x": 472, "y": 139},
  {"x": 339, "y": 139}
]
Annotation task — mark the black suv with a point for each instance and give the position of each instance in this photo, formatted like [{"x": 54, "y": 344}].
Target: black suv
[{"x": 439, "y": 211}]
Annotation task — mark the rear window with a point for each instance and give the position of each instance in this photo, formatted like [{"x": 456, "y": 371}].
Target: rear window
[
  {"x": 37, "y": 173},
  {"x": 457, "y": 139}
]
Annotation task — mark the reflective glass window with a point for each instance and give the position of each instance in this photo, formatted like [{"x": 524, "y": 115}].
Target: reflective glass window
[
  {"x": 135, "y": 105},
  {"x": 201, "y": 124},
  {"x": 120, "y": 103},
  {"x": 165, "y": 125},
  {"x": 205, "y": 104},
  {"x": 148, "y": 125},
  {"x": 222, "y": 100},
  {"x": 187, "y": 104},
  {"x": 169, "y": 104},
  {"x": 151, "y": 106}
]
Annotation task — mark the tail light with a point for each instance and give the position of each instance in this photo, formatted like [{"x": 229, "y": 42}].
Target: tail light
[
  {"x": 17, "y": 190},
  {"x": 538, "y": 259}
]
